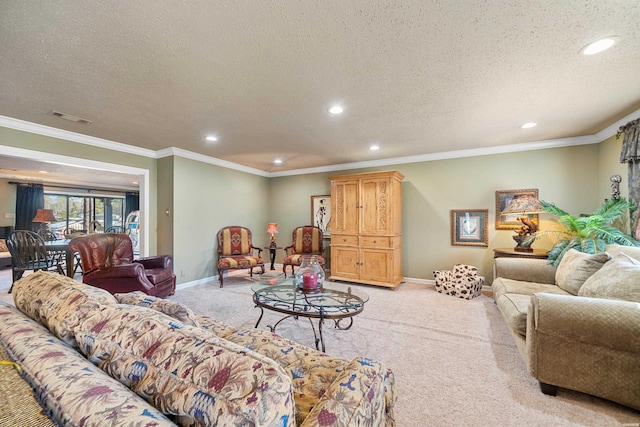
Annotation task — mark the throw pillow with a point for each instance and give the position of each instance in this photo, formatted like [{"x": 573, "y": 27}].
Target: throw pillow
[
  {"x": 576, "y": 267},
  {"x": 3, "y": 246},
  {"x": 174, "y": 309},
  {"x": 617, "y": 279}
]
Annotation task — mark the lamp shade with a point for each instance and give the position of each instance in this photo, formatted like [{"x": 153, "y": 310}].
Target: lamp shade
[
  {"x": 522, "y": 204},
  {"x": 272, "y": 228},
  {"x": 44, "y": 215}
]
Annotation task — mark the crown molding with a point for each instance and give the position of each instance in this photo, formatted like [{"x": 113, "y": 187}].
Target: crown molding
[
  {"x": 11, "y": 123},
  {"x": 613, "y": 129},
  {"x": 600, "y": 136},
  {"x": 174, "y": 151},
  {"x": 501, "y": 149}
]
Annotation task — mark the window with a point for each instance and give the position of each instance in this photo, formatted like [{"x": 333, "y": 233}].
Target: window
[{"x": 84, "y": 213}]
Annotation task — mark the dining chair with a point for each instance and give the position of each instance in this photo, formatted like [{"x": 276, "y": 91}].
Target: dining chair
[
  {"x": 115, "y": 229},
  {"x": 29, "y": 252}
]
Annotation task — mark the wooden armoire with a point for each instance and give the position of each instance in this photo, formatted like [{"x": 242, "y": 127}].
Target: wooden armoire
[{"x": 366, "y": 228}]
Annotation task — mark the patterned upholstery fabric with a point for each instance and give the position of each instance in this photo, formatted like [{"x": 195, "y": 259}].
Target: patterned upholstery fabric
[
  {"x": 306, "y": 240},
  {"x": 174, "y": 309},
  {"x": 207, "y": 375},
  {"x": 71, "y": 390},
  {"x": 462, "y": 282},
  {"x": 235, "y": 251}
]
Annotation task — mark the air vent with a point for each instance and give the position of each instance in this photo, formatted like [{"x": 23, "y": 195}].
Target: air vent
[{"x": 69, "y": 117}]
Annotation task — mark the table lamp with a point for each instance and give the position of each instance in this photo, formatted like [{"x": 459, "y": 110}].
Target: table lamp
[
  {"x": 524, "y": 205},
  {"x": 272, "y": 229},
  {"x": 44, "y": 216}
]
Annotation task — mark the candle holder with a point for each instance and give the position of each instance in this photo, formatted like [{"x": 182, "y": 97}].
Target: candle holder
[{"x": 310, "y": 275}]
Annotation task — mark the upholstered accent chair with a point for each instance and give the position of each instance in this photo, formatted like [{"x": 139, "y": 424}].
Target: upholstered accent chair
[
  {"x": 236, "y": 252},
  {"x": 306, "y": 240},
  {"x": 462, "y": 282},
  {"x": 108, "y": 263}
]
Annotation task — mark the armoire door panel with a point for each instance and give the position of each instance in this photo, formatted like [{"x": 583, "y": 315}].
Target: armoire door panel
[
  {"x": 376, "y": 265},
  {"x": 345, "y": 206},
  {"x": 344, "y": 262}
]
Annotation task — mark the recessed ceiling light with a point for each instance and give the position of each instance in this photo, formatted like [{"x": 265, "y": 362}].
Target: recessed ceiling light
[
  {"x": 374, "y": 147},
  {"x": 211, "y": 138},
  {"x": 599, "y": 45},
  {"x": 277, "y": 161},
  {"x": 134, "y": 182},
  {"x": 43, "y": 172},
  {"x": 336, "y": 109},
  {"x": 529, "y": 125}
]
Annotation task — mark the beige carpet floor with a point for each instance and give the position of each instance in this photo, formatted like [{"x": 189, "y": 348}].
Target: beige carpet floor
[{"x": 455, "y": 361}]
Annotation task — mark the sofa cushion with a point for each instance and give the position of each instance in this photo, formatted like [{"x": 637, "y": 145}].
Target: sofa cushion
[
  {"x": 617, "y": 279},
  {"x": 311, "y": 371},
  {"x": 57, "y": 302},
  {"x": 174, "y": 309},
  {"x": 502, "y": 286},
  {"x": 514, "y": 309},
  {"x": 72, "y": 390},
  {"x": 576, "y": 267},
  {"x": 631, "y": 251},
  {"x": 186, "y": 371}
]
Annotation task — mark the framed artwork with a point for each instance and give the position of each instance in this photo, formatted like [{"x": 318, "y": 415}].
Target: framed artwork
[
  {"x": 469, "y": 227},
  {"x": 503, "y": 198},
  {"x": 321, "y": 213}
]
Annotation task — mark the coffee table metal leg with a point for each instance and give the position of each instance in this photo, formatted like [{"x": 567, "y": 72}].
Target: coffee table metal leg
[
  {"x": 344, "y": 328},
  {"x": 259, "y": 318}
]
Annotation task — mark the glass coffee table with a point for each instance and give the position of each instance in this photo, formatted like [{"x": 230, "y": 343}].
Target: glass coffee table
[{"x": 331, "y": 302}]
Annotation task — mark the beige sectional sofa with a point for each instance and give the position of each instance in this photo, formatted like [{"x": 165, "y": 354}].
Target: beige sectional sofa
[
  {"x": 131, "y": 359},
  {"x": 577, "y": 326}
]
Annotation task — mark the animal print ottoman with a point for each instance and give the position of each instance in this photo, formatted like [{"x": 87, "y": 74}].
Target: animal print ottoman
[{"x": 462, "y": 282}]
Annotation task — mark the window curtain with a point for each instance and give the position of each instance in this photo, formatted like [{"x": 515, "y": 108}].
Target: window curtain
[
  {"x": 29, "y": 198},
  {"x": 630, "y": 154},
  {"x": 131, "y": 203}
]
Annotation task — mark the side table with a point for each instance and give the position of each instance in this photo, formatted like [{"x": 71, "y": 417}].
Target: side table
[
  {"x": 512, "y": 253},
  {"x": 272, "y": 254}
]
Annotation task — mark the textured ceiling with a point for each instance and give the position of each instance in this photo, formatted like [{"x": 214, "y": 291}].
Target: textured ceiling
[{"x": 415, "y": 76}]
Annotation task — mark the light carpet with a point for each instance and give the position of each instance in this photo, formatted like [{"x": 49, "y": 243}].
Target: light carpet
[{"x": 454, "y": 360}]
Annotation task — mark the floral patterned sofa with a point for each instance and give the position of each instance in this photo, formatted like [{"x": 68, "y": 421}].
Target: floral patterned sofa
[{"x": 161, "y": 364}]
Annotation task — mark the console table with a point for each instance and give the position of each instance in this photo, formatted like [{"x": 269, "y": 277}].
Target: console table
[{"x": 512, "y": 253}]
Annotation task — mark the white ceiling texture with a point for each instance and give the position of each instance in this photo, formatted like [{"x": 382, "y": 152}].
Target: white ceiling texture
[{"x": 416, "y": 77}]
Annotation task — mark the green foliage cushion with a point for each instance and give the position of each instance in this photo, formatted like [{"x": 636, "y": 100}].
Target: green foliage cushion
[
  {"x": 576, "y": 267},
  {"x": 617, "y": 279}
]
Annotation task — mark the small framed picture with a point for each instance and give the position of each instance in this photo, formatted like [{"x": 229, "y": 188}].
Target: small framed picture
[
  {"x": 469, "y": 227},
  {"x": 321, "y": 213},
  {"x": 503, "y": 198}
]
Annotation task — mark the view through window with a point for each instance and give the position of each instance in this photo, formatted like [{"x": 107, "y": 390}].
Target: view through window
[{"x": 84, "y": 213}]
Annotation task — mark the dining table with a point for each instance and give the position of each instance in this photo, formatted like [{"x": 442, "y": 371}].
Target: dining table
[{"x": 60, "y": 246}]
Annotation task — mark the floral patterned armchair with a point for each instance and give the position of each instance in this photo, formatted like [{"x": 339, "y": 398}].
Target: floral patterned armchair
[
  {"x": 307, "y": 240},
  {"x": 236, "y": 252}
]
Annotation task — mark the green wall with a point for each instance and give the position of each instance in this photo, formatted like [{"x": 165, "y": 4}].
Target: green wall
[
  {"x": 566, "y": 176},
  {"x": 201, "y": 198},
  {"x": 207, "y": 198},
  {"x": 165, "y": 230},
  {"x": 7, "y": 203}
]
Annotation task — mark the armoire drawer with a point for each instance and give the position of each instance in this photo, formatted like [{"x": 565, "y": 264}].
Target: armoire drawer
[
  {"x": 375, "y": 241},
  {"x": 344, "y": 240}
]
